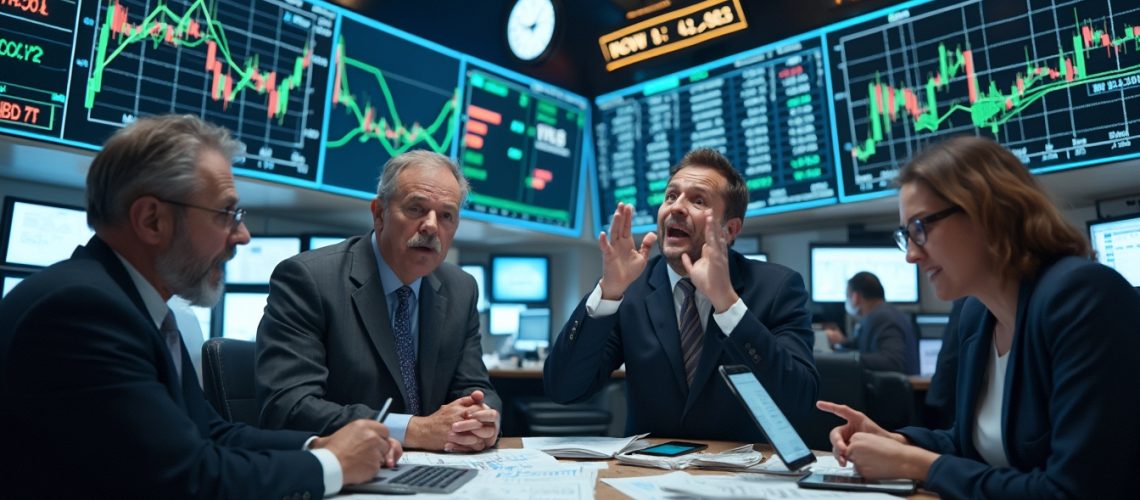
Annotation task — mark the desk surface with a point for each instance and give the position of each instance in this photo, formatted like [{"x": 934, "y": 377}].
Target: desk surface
[
  {"x": 532, "y": 373},
  {"x": 604, "y": 491}
]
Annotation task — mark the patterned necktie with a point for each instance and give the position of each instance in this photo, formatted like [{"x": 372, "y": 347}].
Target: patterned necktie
[
  {"x": 691, "y": 331},
  {"x": 173, "y": 337},
  {"x": 405, "y": 349}
]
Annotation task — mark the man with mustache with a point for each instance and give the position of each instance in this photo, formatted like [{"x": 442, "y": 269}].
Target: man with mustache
[
  {"x": 382, "y": 316},
  {"x": 672, "y": 319},
  {"x": 99, "y": 395}
]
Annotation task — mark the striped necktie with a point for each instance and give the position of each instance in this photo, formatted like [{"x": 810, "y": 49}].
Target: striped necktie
[{"x": 691, "y": 330}]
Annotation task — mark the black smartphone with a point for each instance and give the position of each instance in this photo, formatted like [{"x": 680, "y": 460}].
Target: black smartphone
[
  {"x": 768, "y": 417},
  {"x": 671, "y": 449},
  {"x": 855, "y": 483}
]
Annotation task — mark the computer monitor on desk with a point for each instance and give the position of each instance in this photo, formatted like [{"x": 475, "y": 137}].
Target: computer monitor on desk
[
  {"x": 534, "y": 330},
  {"x": 928, "y": 356},
  {"x": 931, "y": 326}
]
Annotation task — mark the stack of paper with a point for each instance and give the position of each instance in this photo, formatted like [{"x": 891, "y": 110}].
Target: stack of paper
[
  {"x": 582, "y": 447},
  {"x": 735, "y": 459},
  {"x": 681, "y": 484}
]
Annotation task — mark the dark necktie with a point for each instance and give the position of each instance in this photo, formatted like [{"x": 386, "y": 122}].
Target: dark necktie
[
  {"x": 691, "y": 331},
  {"x": 405, "y": 348},
  {"x": 173, "y": 337}
]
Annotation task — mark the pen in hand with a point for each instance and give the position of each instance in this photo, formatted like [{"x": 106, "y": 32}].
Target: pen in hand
[{"x": 384, "y": 411}]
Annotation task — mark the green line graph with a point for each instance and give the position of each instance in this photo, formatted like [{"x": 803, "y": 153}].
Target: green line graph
[{"x": 391, "y": 132}]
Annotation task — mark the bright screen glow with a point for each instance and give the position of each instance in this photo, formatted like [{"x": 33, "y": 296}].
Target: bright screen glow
[
  {"x": 478, "y": 272},
  {"x": 505, "y": 318},
  {"x": 1117, "y": 245},
  {"x": 762, "y": 257},
  {"x": 831, "y": 267},
  {"x": 241, "y": 313},
  {"x": 202, "y": 314},
  {"x": 764, "y": 410},
  {"x": 928, "y": 356},
  {"x": 10, "y": 282},
  {"x": 534, "y": 330},
  {"x": 316, "y": 242},
  {"x": 519, "y": 279},
  {"x": 931, "y": 326},
  {"x": 41, "y": 235},
  {"x": 254, "y": 262}
]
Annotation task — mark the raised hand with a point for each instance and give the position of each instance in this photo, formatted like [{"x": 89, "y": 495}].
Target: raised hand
[
  {"x": 710, "y": 272},
  {"x": 622, "y": 262},
  {"x": 856, "y": 422}
]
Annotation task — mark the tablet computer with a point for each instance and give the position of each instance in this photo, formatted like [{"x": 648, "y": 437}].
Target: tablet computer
[
  {"x": 772, "y": 422},
  {"x": 825, "y": 481}
]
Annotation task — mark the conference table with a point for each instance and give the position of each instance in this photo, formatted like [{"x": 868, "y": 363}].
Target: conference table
[{"x": 604, "y": 491}]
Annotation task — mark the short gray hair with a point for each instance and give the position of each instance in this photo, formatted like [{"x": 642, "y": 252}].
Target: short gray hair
[
  {"x": 386, "y": 188},
  {"x": 156, "y": 156}
]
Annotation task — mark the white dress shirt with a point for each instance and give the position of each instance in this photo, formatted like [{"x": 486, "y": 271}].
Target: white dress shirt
[
  {"x": 988, "y": 433},
  {"x": 597, "y": 307}
]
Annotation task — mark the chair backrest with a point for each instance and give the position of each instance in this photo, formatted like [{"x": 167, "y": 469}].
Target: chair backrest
[
  {"x": 841, "y": 380},
  {"x": 228, "y": 379}
]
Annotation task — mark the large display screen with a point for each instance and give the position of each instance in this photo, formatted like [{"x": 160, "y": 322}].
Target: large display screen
[
  {"x": 766, "y": 110},
  {"x": 241, "y": 314},
  {"x": 1055, "y": 82},
  {"x": 520, "y": 279},
  {"x": 40, "y": 234},
  {"x": 319, "y": 97},
  {"x": 253, "y": 263},
  {"x": 832, "y": 265}
]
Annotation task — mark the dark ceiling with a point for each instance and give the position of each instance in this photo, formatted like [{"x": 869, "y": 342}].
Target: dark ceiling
[{"x": 477, "y": 27}]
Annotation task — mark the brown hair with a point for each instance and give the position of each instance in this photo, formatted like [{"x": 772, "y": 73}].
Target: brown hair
[
  {"x": 735, "y": 192},
  {"x": 1022, "y": 227}
]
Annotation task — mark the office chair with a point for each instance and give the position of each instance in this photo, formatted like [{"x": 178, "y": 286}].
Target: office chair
[
  {"x": 885, "y": 397},
  {"x": 228, "y": 380}
]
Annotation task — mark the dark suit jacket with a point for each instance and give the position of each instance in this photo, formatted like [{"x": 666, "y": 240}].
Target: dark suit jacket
[
  {"x": 774, "y": 338},
  {"x": 92, "y": 405},
  {"x": 940, "y": 396},
  {"x": 887, "y": 341},
  {"x": 326, "y": 354},
  {"x": 1070, "y": 392}
]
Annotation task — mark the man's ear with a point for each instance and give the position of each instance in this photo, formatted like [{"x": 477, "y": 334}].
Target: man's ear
[
  {"x": 378, "y": 213},
  {"x": 734, "y": 225},
  {"x": 151, "y": 220}
]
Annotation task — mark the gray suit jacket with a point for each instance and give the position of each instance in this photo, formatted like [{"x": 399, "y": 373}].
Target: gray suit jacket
[{"x": 326, "y": 354}]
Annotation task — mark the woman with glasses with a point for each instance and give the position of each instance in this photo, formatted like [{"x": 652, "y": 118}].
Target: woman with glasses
[{"x": 1047, "y": 372}]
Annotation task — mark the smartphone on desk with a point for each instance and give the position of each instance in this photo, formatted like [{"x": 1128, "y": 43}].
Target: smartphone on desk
[
  {"x": 843, "y": 482},
  {"x": 671, "y": 449}
]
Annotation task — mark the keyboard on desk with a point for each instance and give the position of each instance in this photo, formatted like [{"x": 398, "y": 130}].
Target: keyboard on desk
[{"x": 417, "y": 479}]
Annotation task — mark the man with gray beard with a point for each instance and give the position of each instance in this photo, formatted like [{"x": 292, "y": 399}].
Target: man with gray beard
[
  {"x": 381, "y": 316},
  {"x": 98, "y": 389}
]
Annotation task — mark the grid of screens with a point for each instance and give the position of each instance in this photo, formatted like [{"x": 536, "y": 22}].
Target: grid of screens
[
  {"x": 253, "y": 264},
  {"x": 319, "y": 96},
  {"x": 832, "y": 114},
  {"x": 40, "y": 234},
  {"x": 1117, "y": 245},
  {"x": 832, "y": 265},
  {"x": 520, "y": 278}
]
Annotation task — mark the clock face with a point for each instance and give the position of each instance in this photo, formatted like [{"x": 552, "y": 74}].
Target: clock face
[{"x": 530, "y": 28}]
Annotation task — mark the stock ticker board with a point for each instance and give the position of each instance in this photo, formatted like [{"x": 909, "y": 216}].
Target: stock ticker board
[
  {"x": 766, "y": 110},
  {"x": 318, "y": 96}
]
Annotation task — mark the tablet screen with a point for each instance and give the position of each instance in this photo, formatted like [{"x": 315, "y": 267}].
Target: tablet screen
[{"x": 772, "y": 421}]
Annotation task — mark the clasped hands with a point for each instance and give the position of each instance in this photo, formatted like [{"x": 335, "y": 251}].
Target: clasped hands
[
  {"x": 622, "y": 262},
  {"x": 464, "y": 425}
]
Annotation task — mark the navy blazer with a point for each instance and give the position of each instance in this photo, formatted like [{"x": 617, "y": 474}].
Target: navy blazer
[
  {"x": 1070, "y": 392},
  {"x": 774, "y": 338},
  {"x": 93, "y": 407}
]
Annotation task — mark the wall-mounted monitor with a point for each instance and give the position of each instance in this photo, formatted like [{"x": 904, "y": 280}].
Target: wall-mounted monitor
[
  {"x": 254, "y": 263},
  {"x": 39, "y": 234},
  {"x": 241, "y": 314},
  {"x": 202, "y": 315},
  {"x": 759, "y": 256},
  {"x": 931, "y": 326},
  {"x": 534, "y": 330},
  {"x": 504, "y": 318},
  {"x": 479, "y": 272},
  {"x": 520, "y": 278},
  {"x": 833, "y": 264},
  {"x": 315, "y": 242},
  {"x": 1117, "y": 245}
]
